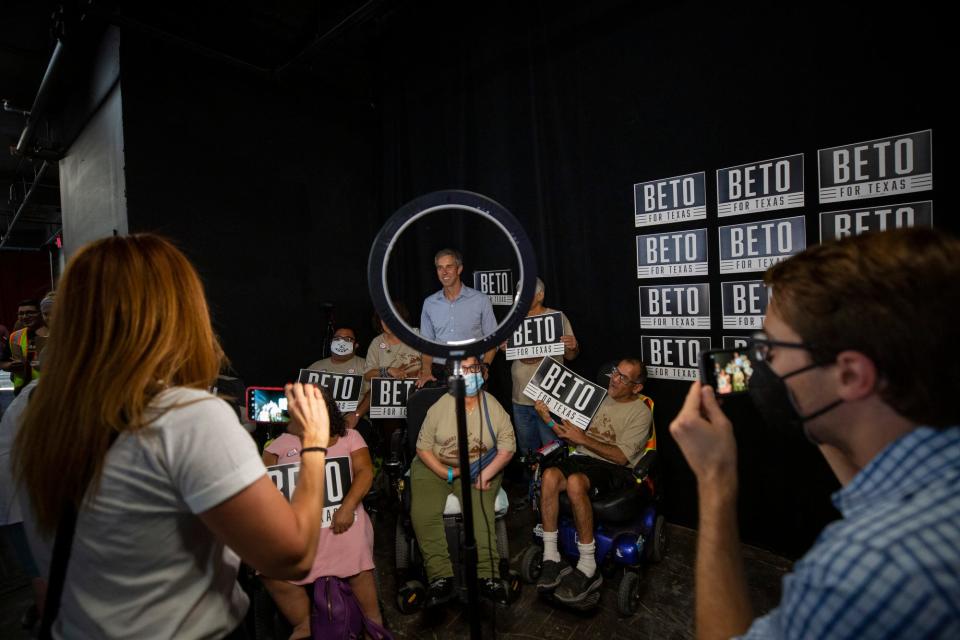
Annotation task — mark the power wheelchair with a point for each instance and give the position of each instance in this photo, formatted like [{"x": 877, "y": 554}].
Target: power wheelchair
[
  {"x": 411, "y": 573},
  {"x": 628, "y": 526}
]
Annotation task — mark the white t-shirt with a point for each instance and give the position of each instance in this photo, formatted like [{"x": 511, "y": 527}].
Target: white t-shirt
[
  {"x": 143, "y": 564},
  {"x": 9, "y": 425}
]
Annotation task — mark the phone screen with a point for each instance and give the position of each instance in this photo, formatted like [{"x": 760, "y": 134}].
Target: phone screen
[
  {"x": 265, "y": 404},
  {"x": 728, "y": 371}
]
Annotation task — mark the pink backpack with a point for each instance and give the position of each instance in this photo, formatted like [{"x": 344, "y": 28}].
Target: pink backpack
[{"x": 336, "y": 613}]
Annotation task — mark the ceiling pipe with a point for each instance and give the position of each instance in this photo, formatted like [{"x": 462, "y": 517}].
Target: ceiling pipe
[{"x": 40, "y": 102}]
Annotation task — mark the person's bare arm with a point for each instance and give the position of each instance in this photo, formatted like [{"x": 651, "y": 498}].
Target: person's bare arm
[
  {"x": 278, "y": 538},
  {"x": 270, "y": 459},
  {"x": 359, "y": 487},
  {"x": 706, "y": 438},
  {"x": 426, "y": 370}
]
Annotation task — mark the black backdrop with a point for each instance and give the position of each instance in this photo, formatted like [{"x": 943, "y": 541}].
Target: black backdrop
[{"x": 277, "y": 193}]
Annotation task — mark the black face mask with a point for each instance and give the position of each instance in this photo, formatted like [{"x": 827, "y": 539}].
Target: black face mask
[{"x": 772, "y": 398}]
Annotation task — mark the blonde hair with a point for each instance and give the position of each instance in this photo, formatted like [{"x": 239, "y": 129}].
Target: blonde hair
[{"x": 132, "y": 319}]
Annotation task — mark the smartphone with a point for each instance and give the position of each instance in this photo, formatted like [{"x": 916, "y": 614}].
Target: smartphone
[
  {"x": 267, "y": 404},
  {"x": 728, "y": 371}
]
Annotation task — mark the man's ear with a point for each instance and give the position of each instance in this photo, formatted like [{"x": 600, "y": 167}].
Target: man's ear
[{"x": 857, "y": 375}]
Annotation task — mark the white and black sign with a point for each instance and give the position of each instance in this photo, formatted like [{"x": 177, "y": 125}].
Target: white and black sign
[
  {"x": 565, "y": 393},
  {"x": 877, "y": 168},
  {"x": 768, "y": 185},
  {"x": 673, "y": 357},
  {"x": 736, "y": 342},
  {"x": 852, "y": 222},
  {"x": 755, "y": 246},
  {"x": 744, "y": 304},
  {"x": 344, "y": 387},
  {"x": 537, "y": 336},
  {"x": 336, "y": 484},
  {"x": 388, "y": 397},
  {"x": 676, "y": 199},
  {"x": 676, "y": 253},
  {"x": 284, "y": 477},
  {"x": 497, "y": 284},
  {"x": 675, "y": 306}
]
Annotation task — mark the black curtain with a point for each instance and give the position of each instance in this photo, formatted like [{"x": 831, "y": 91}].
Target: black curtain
[{"x": 557, "y": 113}]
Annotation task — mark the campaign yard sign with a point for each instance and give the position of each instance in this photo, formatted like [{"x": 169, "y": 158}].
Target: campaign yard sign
[
  {"x": 768, "y": 185},
  {"x": 537, "y": 336},
  {"x": 675, "y": 306},
  {"x": 336, "y": 485},
  {"x": 670, "y": 254},
  {"x": 835, "y": 225},
  {"x": 744, "y": 304},
  {"x": 676, "y": 199},
  {"x": 344, "y": 387},
  {"x": 673, "y": 357},
  {"x": 876, "y": 168},
  {"x": 497, "y": 284},
  {"x": 756, "y": 246},
  {"x": 388, "y": 397},
  {"x": 565, "y": 393}
]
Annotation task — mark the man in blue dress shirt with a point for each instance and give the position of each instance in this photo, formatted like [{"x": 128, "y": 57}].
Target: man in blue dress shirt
[
  {"x": 453, "y": 314},
  {"x": 856, "y": 352}
]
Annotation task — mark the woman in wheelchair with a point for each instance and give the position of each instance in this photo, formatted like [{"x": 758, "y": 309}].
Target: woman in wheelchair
[
  {"x": 345, "y": 545},
  {"x": 600, "y": 465},
  {"x": 434, "y": 474}
]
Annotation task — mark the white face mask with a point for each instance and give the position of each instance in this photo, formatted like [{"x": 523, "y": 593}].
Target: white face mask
[{"x": 341, "y": 347}]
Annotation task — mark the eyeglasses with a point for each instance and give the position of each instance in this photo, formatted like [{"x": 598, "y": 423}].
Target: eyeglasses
[
  {"x": 759, "y": 348},
  {"x": 27, "y": 314},
  {"x": 620, "y": 377},
  {"x": 476, "y": 368}
]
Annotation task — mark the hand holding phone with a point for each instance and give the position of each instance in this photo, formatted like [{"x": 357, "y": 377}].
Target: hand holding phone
[{"x": 267, "y": 404}]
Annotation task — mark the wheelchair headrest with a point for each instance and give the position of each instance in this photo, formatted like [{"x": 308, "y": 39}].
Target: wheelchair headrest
[{"x": 418, "y": 404}]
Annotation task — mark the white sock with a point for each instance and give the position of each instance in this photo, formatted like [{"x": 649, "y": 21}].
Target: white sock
[
  {"x": 550, "y": 551},
  {"x": 588, "y": 559}
]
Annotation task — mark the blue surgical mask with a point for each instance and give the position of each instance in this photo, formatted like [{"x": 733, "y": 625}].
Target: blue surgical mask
[{"x": 473, "y": 383}]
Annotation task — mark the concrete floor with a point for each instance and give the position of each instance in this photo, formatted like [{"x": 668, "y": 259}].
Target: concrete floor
[{"x": 665, "y": 611}]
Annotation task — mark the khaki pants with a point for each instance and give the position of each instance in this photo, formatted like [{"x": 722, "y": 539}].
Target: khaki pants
[{"x": 429, "y": 497}]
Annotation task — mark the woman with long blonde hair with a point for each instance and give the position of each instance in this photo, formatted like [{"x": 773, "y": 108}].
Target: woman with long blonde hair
[{"x": 167, "y": 486}]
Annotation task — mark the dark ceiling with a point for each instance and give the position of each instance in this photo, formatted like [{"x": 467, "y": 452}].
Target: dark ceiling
[{"x": 281, "y": 41}]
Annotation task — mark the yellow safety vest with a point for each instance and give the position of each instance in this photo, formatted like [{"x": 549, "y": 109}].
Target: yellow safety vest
[{"x": 20, "y": 340}]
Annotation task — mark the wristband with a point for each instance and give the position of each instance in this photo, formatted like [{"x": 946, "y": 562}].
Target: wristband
[
  {"x": 449, "y": 475},
  {"x": 384, "y": 373},
  {"x": 323, "y": 450},
  {"x": 551, "y": 424}
]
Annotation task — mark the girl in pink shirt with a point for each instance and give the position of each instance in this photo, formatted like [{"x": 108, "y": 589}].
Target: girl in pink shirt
[{"x": 345, "y": 546}]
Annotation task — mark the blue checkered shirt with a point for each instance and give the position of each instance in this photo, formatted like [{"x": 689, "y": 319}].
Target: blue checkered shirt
[{"x": 891, "y": 567}]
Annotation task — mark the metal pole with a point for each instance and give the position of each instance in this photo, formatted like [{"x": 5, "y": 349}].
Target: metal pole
[
  {"x": 459, "y": 391},
  {"x": 39, "y": 103}
]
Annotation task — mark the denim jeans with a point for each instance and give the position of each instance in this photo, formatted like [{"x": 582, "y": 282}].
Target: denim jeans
[{"x": 532, "y": 432}]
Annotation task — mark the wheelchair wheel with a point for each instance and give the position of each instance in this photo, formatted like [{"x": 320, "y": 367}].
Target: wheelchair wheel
[
  {"x": 628, "y": 595},
  {"x": 402, "y": 545},
  {"x": 411, "y": 596},
  {"x": 657, "y": 543},
  {"x": 503, "y": 545},
  {"x": 530, "y": 562},
  {"x": 269, "y": 623}
]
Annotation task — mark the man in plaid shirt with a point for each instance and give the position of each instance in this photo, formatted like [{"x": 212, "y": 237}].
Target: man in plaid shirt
[{"x": 855, "y": 352}]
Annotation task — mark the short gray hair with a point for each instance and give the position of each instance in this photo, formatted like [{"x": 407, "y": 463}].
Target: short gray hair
[{"x": 448, "y": 252}]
